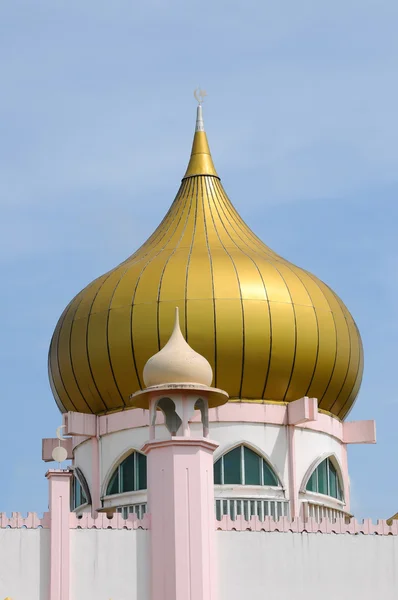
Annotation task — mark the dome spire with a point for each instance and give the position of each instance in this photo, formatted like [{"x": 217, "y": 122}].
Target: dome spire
[
  {"x": 200, "y": 126},
  {"x": 201, "y": 162}
]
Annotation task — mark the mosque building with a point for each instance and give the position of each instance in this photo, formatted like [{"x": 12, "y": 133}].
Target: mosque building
[{"x": 205, "y": 385}]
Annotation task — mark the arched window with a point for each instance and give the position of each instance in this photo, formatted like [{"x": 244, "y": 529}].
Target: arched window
[
  {"x": 80, "y": 493},
  {"x": 129, "y": 476},
  {"x": 243, "y": 466},
  {"x": 325, "y": 480}
]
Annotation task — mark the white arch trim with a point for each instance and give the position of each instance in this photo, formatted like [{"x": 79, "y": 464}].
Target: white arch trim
[
  {"x": 122, "y": 456},
  {"x": 337, "y": 464},
  {"x": 80, "y": 477},
  {"x": 225, "y": 449}
]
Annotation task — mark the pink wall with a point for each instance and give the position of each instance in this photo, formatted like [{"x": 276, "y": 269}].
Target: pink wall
[{"x": 301, "y": 413}]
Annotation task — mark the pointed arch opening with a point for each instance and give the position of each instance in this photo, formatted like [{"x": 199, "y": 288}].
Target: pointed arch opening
[
  {"x": 129, "y": 476},
  {"x": 326, "y": 479},
  {"x": 80, "y": 492},
  {"x": 171, "y": 417},
  {"x": 247, "y": 484},
  {"x": 244, "y": 466}
]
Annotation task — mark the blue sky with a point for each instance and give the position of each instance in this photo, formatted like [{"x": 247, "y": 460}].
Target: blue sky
[{"x": 97, "y": 117}]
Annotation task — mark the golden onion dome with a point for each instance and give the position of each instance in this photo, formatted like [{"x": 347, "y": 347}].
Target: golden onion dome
[{"x": 271, "y": 331}]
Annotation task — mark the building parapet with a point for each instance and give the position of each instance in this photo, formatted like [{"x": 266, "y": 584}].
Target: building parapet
[
  {"x": 102, "y": 521},
  {"x": 84, "y": 521},
  {"x": 311, "y": 525},
  {"x": 268, "y": 525},
  {"x": 31, "y": 521}
]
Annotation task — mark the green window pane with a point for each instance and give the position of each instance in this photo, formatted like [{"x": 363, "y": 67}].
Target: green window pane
[
  {"x": 127, "y": 474},
  {"x": 113, "y": 486},
  {"x": 332, "y": 481},
  {"x": 252, "y": 467},
  {"x": 217, "y": 472},
  {"x": 312, "y": 484},
  {"x": 323, "y": 478},
  {"x": 339, "y": 490},
  {"x": 79, "y": 495},
  {"x": 232, "y": 466},
  {"x": 142, "y": 481},
  {"x": 269, "y": 475},
  {"x": 76, "y": 494}
]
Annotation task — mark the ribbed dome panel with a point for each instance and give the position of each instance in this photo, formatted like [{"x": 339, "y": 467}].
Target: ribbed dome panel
[{"x": 269, "y": 329}]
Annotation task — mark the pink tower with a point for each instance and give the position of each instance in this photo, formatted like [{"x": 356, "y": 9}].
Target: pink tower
[{"x": 180, "y": 471}]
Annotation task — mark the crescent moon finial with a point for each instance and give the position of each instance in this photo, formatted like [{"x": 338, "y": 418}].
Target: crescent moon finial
[
  {"x": 58, "y": 432},
  {"x": 200, "y": 95}
]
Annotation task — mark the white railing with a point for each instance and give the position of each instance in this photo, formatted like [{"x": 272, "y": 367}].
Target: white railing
[
  {"x": 248, "y": 508},
  {"x": 137, "y": 509},
  {"x": 311, "y": 510}
]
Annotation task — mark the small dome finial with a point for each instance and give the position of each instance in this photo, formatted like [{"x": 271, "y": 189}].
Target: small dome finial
[
  {"x": 200, "y": 95},
  {"x": 177, "y": 362}
]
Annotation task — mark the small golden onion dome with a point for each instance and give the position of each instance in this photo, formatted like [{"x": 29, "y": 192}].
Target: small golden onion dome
[
  {"x": 270, "y": 330},
  {"x": 177, "y": 362}
]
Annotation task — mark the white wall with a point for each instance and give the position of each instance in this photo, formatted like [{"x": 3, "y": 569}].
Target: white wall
[
  {"x": 114, "y": 445},
  {"x": 24, "y": 563},
  {"x": 257, "y": 565},
  {"x": 270, "y": 440},
  {"x": 107, "y": 563},
  {"x": 279, "y": 566},
  {"x": 311, "y": 445}
]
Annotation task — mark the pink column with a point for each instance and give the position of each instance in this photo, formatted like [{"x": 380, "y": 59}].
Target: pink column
[
  {"x": 346, "y": 479},
  {"x": 293, "y": 489},
  {"x": 181, "y": 506},
  {"x": 300, "y": 411},
  {"x": 59, "y": 504},
  {"x": 96, "y": 479}
]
